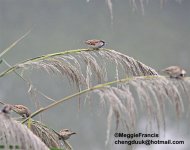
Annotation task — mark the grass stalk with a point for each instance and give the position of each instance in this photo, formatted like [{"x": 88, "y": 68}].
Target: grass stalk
[
  {"x": 83, "y": 92},
  {"x": 13, "y": 68}
]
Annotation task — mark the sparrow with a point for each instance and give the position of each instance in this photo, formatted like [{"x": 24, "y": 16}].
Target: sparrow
[
  {"x": 65, "y": 134},
  {"x": 21, "y": 110},
  {"x": 175, "y": 72},
  {"x": 95, "y": 44},
  {"x": 7, "y": 108}
]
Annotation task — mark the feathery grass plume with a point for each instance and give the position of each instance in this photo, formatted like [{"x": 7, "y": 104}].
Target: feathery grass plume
[
  {"x": 135, "y": 4},
  {"x": 131, "y": 66},
  {"x": 154, "y": 93},
  {"x": 81, "y": 66},
  {"x": 110, "y": 6},
  {"x": 45, "y": 134},
  {"x": 18, "y": 136},
  {"x": 92, "y": 66},
  {"x": 48, "y": 136}
]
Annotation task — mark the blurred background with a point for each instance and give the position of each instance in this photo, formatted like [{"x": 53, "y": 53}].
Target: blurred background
[{"x": 156, "y": 34}]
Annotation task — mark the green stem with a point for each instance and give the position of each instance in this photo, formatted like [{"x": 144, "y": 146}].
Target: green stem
[
  {"x": 82, "y": 92},
  {"x": 43, "y": 57}
]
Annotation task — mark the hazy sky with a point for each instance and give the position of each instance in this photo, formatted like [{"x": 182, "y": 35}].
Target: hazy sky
[{"x": 159, "y": 38}]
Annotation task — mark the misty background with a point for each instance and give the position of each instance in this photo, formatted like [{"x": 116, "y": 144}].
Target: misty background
[{"x": 159, "y": 38}]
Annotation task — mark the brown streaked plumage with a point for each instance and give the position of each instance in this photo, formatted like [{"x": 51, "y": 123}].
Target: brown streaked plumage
[
  {"x": 65, "y": 134},
  {"x": 175, "y": 72},
  {"x": 95, "y": 44},
  {"x": 22, "y": 110}
]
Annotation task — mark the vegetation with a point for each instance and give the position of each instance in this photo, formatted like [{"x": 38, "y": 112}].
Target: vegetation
[{"x": 134, "y": 87}]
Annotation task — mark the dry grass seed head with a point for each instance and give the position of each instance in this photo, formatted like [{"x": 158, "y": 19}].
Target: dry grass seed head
[{"x": 16, "y": 134}]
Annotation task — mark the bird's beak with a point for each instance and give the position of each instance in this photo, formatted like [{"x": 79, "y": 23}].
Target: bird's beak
[{"x": 73, "y": 133}]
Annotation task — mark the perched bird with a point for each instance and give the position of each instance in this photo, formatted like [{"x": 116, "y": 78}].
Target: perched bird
[
  {"x": 21, "y": 110},
  {"x": 6, "y": 108},
  {"x": 65, "y": 134},
  {"x": 95, "y": 44},
  {"x": 175, "y": 72}
]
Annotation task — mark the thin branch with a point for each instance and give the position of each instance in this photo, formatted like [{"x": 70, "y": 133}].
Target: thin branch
[{"x": 14, "y": 44}]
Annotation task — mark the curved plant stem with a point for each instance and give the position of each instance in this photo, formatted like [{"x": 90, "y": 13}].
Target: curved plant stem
[
  {"x": 83, "y": 92},
  {"x": 13, "y": 68}
]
